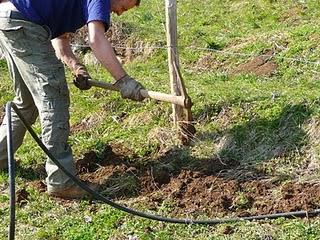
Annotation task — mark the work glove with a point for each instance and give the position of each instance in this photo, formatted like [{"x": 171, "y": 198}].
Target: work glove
[
  {"x": 81, "y": 77},
  {"x": 129, "y": 88}
]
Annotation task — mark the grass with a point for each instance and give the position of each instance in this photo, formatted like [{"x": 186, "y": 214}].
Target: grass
[{"x": 267, "y": 122}]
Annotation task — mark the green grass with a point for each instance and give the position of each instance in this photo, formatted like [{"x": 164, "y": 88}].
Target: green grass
[{"x": 269, "y": 123}]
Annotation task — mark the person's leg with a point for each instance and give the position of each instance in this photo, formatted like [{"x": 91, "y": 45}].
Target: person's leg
[
  {"x": 23, "y": 100},
  {"x": 30, "y": 48},
  {"x": 44, "y": 76},
  {"x": 48, "y": 86}
]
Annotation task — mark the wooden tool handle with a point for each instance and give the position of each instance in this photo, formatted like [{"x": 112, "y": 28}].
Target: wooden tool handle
[{"x": 179, "y": 100}]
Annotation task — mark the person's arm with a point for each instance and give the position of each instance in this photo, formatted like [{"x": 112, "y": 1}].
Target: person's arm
[
  {"x": 64, "y": 52},
  {"x": 103, "y": 50}
]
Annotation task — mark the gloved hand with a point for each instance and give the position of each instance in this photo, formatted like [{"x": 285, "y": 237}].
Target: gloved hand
[
  {"x": 129, "y": 88},
  {"x": 81, "y": 77}
]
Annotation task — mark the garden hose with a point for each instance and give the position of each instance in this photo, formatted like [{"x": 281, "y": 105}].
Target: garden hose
[
  {"x": 98, "y": 196},
  {"x": 11, "y": 169}
]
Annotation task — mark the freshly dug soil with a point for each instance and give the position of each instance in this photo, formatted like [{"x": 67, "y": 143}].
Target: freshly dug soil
[
  {"x": 194, "y": 189},
  {"x": 263, "y": 65}
]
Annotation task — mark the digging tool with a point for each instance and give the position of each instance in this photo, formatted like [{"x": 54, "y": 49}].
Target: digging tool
[
  {"x": 186, "y": 126},
  {"x": 179, "y": 100}
]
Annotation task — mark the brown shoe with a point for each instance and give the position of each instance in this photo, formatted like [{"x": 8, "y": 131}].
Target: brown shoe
[
  {"x": 3, "y": 165},
  {"x": 72, "y": 192}
]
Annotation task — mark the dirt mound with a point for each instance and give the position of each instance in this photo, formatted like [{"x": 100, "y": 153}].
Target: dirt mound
[
  {"x": 193, "y": 188},
  {"x": 196, "y": 193},
  {"x": 260, "y": 65}
]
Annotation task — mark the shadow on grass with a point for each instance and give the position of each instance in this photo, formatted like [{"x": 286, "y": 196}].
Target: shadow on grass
[
  {"x": 258, "y": 140},
  {"x": 122, "y": 175},
  {"x": 262, "y": 139},
  {"x": 31, "y": 173}
]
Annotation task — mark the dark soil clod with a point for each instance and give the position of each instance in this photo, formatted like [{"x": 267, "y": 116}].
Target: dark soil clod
[{"x": 22, "y": 196}]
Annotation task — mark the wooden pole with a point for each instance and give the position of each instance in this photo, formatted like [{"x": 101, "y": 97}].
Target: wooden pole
[
  {"x": 182, "y": 116},
  {"x": 173, "y": 59}
]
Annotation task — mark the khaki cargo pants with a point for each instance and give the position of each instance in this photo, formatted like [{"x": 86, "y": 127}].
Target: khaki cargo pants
[{"x": 40, "y": 89}]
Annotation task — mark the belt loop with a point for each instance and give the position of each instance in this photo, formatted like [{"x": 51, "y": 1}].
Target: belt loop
[{"x": 48, "y": 30}]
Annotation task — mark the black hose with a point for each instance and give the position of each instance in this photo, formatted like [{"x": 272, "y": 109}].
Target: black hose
[
  {"x": 11, "y": 168},
  {"x": 98, "y": 196}
]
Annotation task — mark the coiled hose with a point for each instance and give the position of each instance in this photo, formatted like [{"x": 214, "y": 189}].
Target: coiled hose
[{"x": 100, "y": 197}]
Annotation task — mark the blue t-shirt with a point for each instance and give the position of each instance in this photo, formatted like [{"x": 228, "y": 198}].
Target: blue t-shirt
[{"x": 62, "y": 16}]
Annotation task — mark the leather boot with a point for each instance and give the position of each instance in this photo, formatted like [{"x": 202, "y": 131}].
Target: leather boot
[{"x": 72, "y": 192}]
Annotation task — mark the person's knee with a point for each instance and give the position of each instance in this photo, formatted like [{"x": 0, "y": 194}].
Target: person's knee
[{"x": 29, "y": 111}]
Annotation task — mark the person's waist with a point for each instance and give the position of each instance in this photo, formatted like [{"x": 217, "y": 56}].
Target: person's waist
[{"x": 13, "y": 15}]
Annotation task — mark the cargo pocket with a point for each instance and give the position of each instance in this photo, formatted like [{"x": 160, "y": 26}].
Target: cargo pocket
[
  {"x": 55, "y": 124},
  {"x": 15, "y": 39},
  {"x": 52, "y": 84}
]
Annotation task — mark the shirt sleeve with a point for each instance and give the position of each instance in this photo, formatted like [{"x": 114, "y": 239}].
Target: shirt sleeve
[{"x": 98, "y": 10}]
